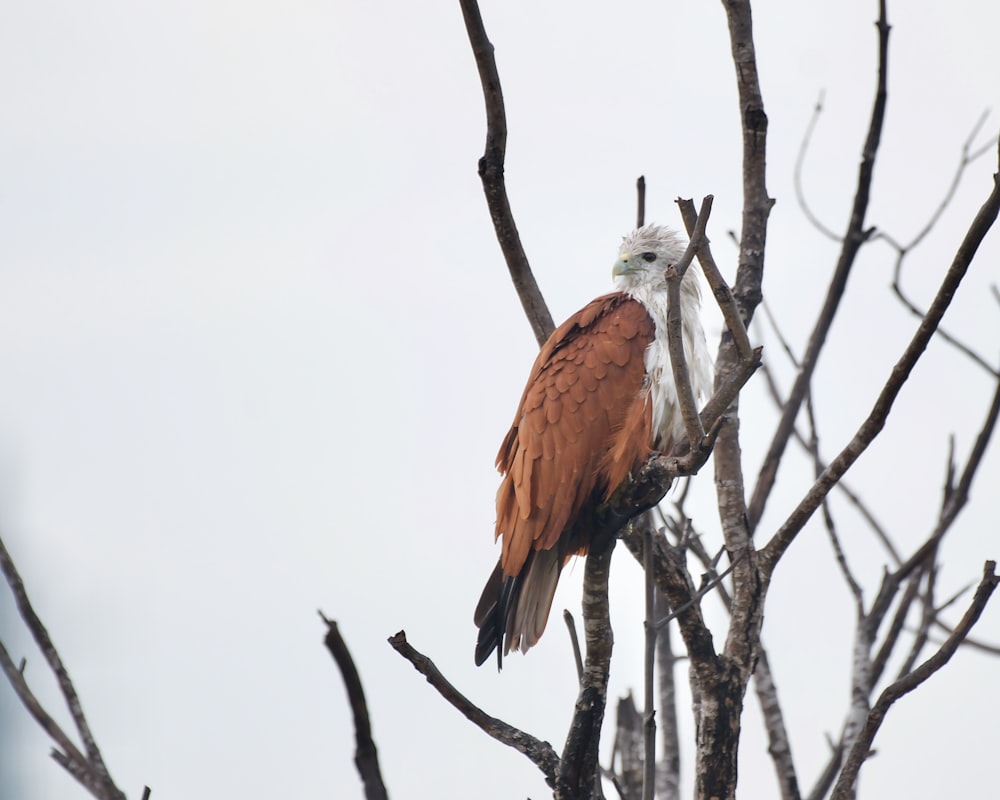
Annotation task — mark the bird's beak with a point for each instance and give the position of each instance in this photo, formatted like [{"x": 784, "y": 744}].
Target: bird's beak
[{"x": 621, "y": 266}]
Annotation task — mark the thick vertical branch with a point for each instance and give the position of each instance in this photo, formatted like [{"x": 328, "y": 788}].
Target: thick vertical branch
[
  {"x": 491, "y": 172},
  {"x": 756, "y": 202},
  {"x": 578, "y": 775},
  {"x": 720, "y": 691}
]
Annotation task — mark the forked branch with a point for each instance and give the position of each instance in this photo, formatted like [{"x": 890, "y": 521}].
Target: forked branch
[
  {"x": 862, "y": 744},
  {"x": 876, "y": 419},
  {"x": 87, "y": 767}
]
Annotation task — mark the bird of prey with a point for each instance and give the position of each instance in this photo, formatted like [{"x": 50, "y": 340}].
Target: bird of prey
[{"x": 599, "y": 399}]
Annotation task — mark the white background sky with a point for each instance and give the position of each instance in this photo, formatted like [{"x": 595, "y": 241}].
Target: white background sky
[{"x": 258, "y": 349}]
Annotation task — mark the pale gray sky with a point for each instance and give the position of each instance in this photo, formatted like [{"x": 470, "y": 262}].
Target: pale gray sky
[{"x": 259, "y": 348}]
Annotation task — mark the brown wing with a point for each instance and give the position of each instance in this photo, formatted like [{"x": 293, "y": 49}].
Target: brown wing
[{"x": 582, "y": 423}]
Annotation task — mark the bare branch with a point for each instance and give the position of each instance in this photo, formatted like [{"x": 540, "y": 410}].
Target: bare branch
[
  {"x": 649, "y": 668},
  {"x": 574, "y": 642},
  {"x": 674, "y": 580},
  {"x": 365, "y": 753},
  {"x": 540, "y": 753},
  {"x": 862, "y": 745},
  {"x": 778, "y": 744},
  {"x": 695, "y": 222},
  {"x": 74, "y": 761},
  {"x": 828, "y": 522},
  {"x": 902, "y": 250},
  {"x": 578, "y": 773},
  {"x": 895, "y": 628},
  {"x": 926, "y": 617},
  {"x": 968, "y": 157},
  {"x": 640, "y": 211},
  {"x": 855, "y": 237},
  {"x": 842, "y": 485},
  {"x": 756, "y": 202},
  {"x": 876, "y": 419},
  {"x": 491, "y": 172},
  {"x": 629, "y": 749},
  {"x": 668, "y": 768},
  {"x": 98, "y": 781},
  {"x": 800, "y": 194}
]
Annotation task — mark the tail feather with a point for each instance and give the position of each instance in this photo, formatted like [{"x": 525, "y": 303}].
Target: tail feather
[{"x": 513, "y": 610}]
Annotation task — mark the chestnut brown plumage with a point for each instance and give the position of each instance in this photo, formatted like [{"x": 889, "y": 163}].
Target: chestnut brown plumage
[{"x": 599, "y": 398}]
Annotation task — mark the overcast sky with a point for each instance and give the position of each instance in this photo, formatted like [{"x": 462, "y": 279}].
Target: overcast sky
[{"x": 258, "y": 350}]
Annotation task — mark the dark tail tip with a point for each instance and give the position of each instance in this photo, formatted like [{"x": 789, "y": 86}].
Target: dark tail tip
[
  {"x": 490, "y": 639},
  {"x": 491, "y": 616}
]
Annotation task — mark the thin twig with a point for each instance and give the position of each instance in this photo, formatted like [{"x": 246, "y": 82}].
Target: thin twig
[
  {"x": 828, "y": 522},
  {"x": 968, "y": 156},
  {"x": 800, "y": 194},
  {"x": 574, "y": 642}
]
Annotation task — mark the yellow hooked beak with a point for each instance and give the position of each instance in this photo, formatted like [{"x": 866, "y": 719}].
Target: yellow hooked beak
[{"x": 622, "y": 265}]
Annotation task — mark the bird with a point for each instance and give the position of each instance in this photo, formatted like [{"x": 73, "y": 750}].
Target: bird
[{"x": 599, "y": 399}]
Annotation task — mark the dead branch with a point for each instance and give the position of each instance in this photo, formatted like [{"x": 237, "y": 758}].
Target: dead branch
[
  {"x": 668, "y": 768},
  {"x": 675, "y": 338},
  {"x": 862, "y": 745},
  {"x": 800, "y": 159},
  {"x": 628, "y": 749},
  {"x": 491, "y": 172},
  {"x": 968, "y": 157},
  {"x": 855, "y": 237},
  {"x": 779, "y": 745},
  {"x": 540, "y": 753},
  {"x": 876, "y": 419},
  {"x": 695, "y": 222},
  {"x": 881, "y": 534},
  {"x": 756, "y": 201},
  {"x": 365, "y": 753},
  {"x": 90, "y": 769},
  {"x": 649, "y": 669},
  {"x": 578, "y": 773},
  {"x": 640, "y": 210},
  {"x": 574, "y": 642}
]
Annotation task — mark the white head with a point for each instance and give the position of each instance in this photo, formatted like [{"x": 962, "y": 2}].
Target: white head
[{"x": 645, "y": 255}]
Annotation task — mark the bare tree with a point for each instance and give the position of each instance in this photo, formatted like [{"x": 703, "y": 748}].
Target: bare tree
[
  {"x": 720, "y": 676},
  {"x": 665, "y": 540}
]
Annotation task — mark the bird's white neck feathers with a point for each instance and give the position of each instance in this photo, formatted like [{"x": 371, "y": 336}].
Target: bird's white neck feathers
[{"x": 644, "y": 257}]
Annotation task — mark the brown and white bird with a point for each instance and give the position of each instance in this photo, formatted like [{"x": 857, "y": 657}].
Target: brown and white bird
[{"x": 599, "y": 399}]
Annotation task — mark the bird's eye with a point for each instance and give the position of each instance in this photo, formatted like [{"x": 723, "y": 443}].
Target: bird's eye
[{"x": 649, "y": 257}]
